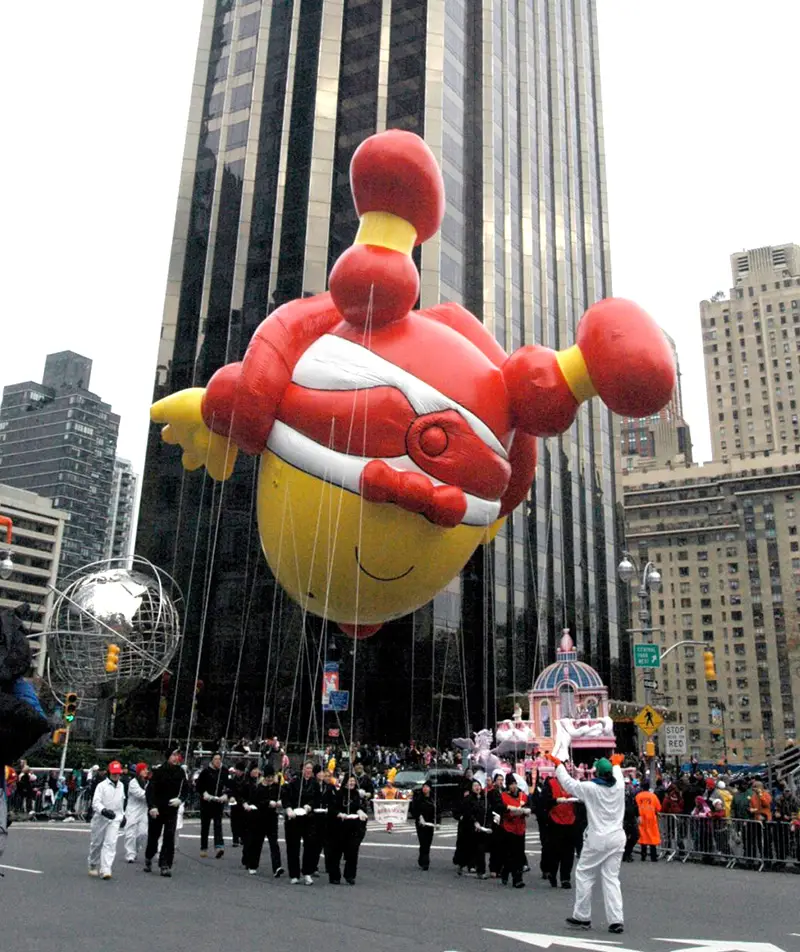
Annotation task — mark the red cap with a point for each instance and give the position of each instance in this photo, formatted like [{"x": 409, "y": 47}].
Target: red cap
[
  {"x": 141, "y": 767},
  {"x": 115, "y": 767},
  {"x": 396, "y": 172}
]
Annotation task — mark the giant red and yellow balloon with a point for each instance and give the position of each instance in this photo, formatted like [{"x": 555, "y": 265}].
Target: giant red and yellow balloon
[{"x": 393, "y": 441}]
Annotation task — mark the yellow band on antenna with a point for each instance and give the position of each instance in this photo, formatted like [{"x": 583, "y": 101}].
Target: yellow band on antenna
[
  {"x": 573, "y": 366},
  {"x": 386, "y": 231}
]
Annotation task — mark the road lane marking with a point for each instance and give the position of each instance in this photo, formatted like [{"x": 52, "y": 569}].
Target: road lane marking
[{"x": 21, "y": 869}]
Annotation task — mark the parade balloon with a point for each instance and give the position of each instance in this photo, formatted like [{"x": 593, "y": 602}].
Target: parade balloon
[{"x": 394, "y": 441}]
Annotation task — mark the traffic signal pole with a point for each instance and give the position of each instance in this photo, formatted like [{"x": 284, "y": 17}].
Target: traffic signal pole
[{"x": 64, "y": 753}]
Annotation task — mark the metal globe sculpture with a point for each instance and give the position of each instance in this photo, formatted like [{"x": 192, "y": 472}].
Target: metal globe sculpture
[{"x": 114, "y": 623}]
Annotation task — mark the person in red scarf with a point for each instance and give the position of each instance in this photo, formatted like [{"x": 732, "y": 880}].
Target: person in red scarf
[
  {"x": 515, "y": 814},
  {"x": 559, "y": 808}
]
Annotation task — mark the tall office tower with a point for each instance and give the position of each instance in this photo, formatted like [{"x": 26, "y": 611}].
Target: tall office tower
[
  {"x": 506, "y": 94},
  {"x": 58, "y": 439},
  {"x": 751, "y": 343},
  {"x": 661, "y": 439},
  {"x": 38, "y": 531},
  {"x": 724, "y": 537},
  {"x": 121, "y": 511}
]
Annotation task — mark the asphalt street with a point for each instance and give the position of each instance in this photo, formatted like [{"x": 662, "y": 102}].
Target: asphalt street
[{"x": 48, "y": 901}]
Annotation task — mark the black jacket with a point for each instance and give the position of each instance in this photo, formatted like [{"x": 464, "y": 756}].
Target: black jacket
[
  {"x": 300, "y": 793},
  {"x": 234, "y": 787},
  {"x": 211, "y": 781},
  {"x": 422, "y": 808},
  {"x": 494, "y": 804},
  {"x": 168, "y": 781},
  {"x": 364, "y": 783},
  {"x": 261, "y": 795}
]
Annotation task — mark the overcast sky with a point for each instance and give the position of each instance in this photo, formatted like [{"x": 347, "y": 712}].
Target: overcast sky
[{"x": 699, "y": 102}]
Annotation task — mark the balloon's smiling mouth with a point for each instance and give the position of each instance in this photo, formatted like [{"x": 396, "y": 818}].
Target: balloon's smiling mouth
[{"x": 382, "y": 578}]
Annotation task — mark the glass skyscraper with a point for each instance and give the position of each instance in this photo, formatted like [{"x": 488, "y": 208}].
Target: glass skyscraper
[{"x": 506, "y": 94}]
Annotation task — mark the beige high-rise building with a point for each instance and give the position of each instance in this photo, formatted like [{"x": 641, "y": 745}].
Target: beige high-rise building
[
  {"x": 751, "y": 345},
  {"x": 725, "y": 538}
]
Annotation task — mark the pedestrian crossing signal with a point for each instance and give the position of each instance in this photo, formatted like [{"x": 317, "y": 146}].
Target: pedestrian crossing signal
[
  {"x": 112, "y": 659},
  {"x": 710, "y": 668},
  {"x": 59, "y": 735},
  {"x": 70, "y": 707}
]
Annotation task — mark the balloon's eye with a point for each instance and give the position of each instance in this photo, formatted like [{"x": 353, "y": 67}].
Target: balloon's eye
[{"x": 433, "y": 441}]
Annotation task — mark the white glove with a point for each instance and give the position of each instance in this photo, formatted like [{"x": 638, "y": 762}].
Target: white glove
[
  {"x": 207, "y": 796},
  {"x": 223, "y": 798},
  {"x": 320, "y": 810},
  {"x": 484, "y": 829},
  {"x": 273, "y": 804},
  {"x": 307, "y": 808},
  {"x": 231, "y": 802},
  {"x": 362, "y": 793},
  {"x": 526, "y": 811},
  {"x": 341, "y": 816},
  {"x": 362, "y": 816},
  {"x": 477, "y": 827},
  {"x": 250, "y": 806},
  {"x": 496, "y": 818},
  {"x": 175, "y": 802},
  {"x": 289, "y": 813}
]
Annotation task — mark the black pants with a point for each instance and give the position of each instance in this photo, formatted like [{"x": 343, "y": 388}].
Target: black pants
[
  {"x": 653, "y": 852},
  {"x": 514, "y": 856},
  {"x": 631, "y": 839},
  {"x": 561, "y": 851},
  {"x": 496, "y": 850},
  {"x": 237, "y": 824},
  {"x": 211, "y": 812},
  {"x": 255, "y": 832},
  {"x": 346, "y": 845},
  {"x": 544, "y": 841},
  {"x": 317, "y": 839},
  {"x": 425, "y": 837},
  {"x": 166, "y": 822},
  {"x": 298, "y": 830}
]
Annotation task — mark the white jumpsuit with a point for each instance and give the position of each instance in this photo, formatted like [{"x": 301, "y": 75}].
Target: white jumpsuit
[
  {"x": 103, "y": 840},
  {"x": 136, "y": 820},
  {"x": 603, "y": 844}
]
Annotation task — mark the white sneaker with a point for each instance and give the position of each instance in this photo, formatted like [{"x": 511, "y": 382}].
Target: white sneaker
[
  {"x": 294, "y": 881},
  {"x": 93, "y": 872},
  {"x": 308, "y": 881},
  {"x": 252, "y": 871}
]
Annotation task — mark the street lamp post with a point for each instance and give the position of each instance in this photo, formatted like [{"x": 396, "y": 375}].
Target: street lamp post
[{"x": 649, "y": 581}]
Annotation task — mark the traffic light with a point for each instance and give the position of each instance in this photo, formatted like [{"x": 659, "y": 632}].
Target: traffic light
[
  {"x": 70, "y": 706},
  {"x": 112, "y": 659},
  {"x": 59, "y": 735},
  {"x": 650, "y": 749},
  {"x": 708, "y": 664}
]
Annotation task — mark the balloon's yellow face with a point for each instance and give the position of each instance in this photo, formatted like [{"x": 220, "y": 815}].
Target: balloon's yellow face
[{"x": 351, "y": 560}]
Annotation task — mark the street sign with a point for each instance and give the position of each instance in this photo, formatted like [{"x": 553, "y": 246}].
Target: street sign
[
  {"x": 338, "y": 700},
  {"x": 650, "y": 684},
  {"x": 646, "y": 656},
  {"x": 648, "y": 720},
  {"x": 333, "y": 732},
  {"x": 675, "y": 740}
]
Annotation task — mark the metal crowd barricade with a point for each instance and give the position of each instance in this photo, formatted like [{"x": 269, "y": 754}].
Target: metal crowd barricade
[{"x": 748, "y": 843}]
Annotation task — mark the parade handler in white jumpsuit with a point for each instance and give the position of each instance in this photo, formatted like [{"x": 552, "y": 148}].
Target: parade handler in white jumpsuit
[
  {"x": 136, "y": 814},
  {"x": 604, "y": 840},
  {"x": 107, "y": 809}
]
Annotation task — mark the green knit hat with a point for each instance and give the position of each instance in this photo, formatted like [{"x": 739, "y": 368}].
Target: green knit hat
[{"x": 603, "y": 766}]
